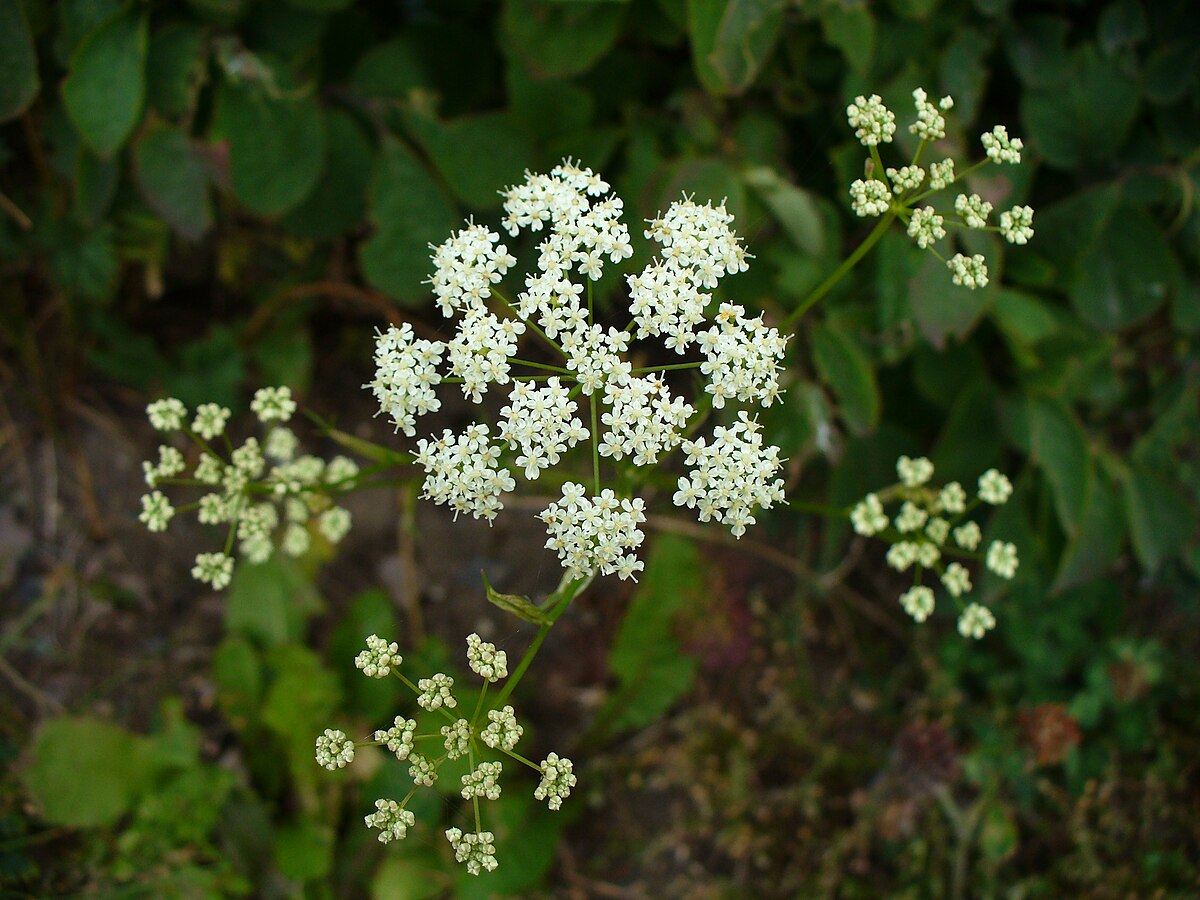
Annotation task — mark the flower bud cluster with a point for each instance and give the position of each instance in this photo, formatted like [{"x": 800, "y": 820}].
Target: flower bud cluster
[
  {"x": 460, "y": 738},
  {"x": 636, "y": 420},
  {"x": 930, "y": 531},
  {"x": 266, "y": 495},
  {"x": 898, "y": 190}
]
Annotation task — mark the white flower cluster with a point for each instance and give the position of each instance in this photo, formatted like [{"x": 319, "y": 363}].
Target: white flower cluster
[
  {"x": 920, "y": 536},
  {"x": 634, "y": 415},
  {"x": 265, "y": 495},
  {"x": 592, "y": 534},
  {"x": 461, "y": 738},
  {"x": 733, "y": 475},
  {"x": 874, "y": 124}
]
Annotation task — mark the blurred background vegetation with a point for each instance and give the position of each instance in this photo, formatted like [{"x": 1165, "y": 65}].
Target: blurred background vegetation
[{"x": 203, "y": 197}]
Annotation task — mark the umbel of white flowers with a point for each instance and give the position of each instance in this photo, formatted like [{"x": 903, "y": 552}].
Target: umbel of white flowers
[
  {"x": 496, "y": 730},
  {"x": 901, "y": 190},
  {"x": 629, "y": 415},
  {"x": 920, "y": 537}
]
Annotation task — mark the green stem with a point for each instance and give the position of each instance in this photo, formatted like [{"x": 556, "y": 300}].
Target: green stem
[
  {"x": 568, "y": 590},
  {"x": 595, "y": 443},
  {"x": 831, "y": 512},
  {"x": 847, "y": 264},
  {"x": 669, "y": 368}
]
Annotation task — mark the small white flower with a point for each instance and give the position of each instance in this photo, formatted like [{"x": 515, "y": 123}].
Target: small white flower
[
  {"x": 911, "y": 517},
  {"x": 973, "y": 210},
  {"x": 213, "y": 568},
  {"x": 1017, "y": 224},
  {"x": 941, "y": 174},
  {"x": 380, "y": 657},
  {"x": 902, "y": 554},
  {"x": 457, "y": 738},
  {"x": 868, "y": 517},
  {"x": 557, "y": 781},
  {"x": 296, "y": 540},
  {"x": 167, "y": 414},
  {"x": 334, "y": 524},
  {"x": 273, "y": 404},
  {"x": 392, "y": 820},
  {"x": 968, "y": 536},
  {"x": 969, "y": 272},
  {"x": 956, "y": 579},
  {"x": 976, "y": 621},
  {"x": 994, "y": 488},
  {"x": 595, "y": 534},
  {"x": 869, "y": 198},
  {"x": 484, "y": 781},
  {"x": 914, "y": 472},
  {"x": 930, "y": 124},
  {"x": 436, "y": 692},
  {"x": 873, "y": 122},
  {"x": 938, "y": 530},
  {"x": 1000, "y": 148},
  {"x": 906, "y": 178},
  {"x": 502, "y": 731},
  {"x": 399, "y": 738},
  {"x": 405, "y": 375},
  {"x": 281, "y": 444},
  {"x": 952, "y": 499},
  {"x": 170, "y": 463},
  {"x": 918, "y": 602},
  {"x": 462, "y": 472},
  {"x": 156, "y": 511},
  {"x": 925, "y": 227},
  {"x": 476, "y": 850},
  {"x": 334, "y": 749},
  {"x": 421, "y": 769},
  {"x": 210, "y": 420},
  {"x": 928, "y": 554},
  {"x": 485, "y": 660},
  {"x": 1002, "y": 559}
]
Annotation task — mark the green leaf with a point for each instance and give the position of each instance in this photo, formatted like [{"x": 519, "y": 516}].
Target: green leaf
[
  {"x": 340, "y": 197},
  {"x": 1024, "y": 320},
  {"x": 731, "y": 41},
  {"x": 304, "y": 850},
  {"x": 1126, "y": 274},
  {"x": 454, "y": 148},
  {"x": 106, "y": 84},
  {"x": 371, "y": 612},
  {"x": 174, "y": 180},
  {"x": 941, "y": 307},
  {"x": 556, "y": 39},
  {"x": 1084, "y": 120},
  {"x": 1122, "y": 25},
  {"x": 1037, "y": 50},
  {"x": 847, "y": 370},
  {"x": 390, "y": 70},
  {"x": 851, "y": 29},
  {"x": 1160, "y": 520},
  {"x": 86, "y": 266},
  {"x": 175, "y": 68},
  {"x": 651, "y": 669},
  {"x": 1096, "y": 541},
  {"x": 237, "y": 674},
  {"x": 86, "y": 772},
  {"x": 19, "y": 81},
  {"x": 301, "y": 698},
  {"x": 409, "y": 213},
  {"x": 96, "y": 183},
  {"x": 970, "y": 442},
  {"x": 270, "y": 601},
  {"x": 964, "y": 71},
  {"x": 210, "y": 368},
  {"x": 1059, "y": 446},
  {"x": 521, "y": 607},
  {"x": 707, "y": 179},
  {"x": 276, "y": 146},
  {"x": 793, "y": 207}
]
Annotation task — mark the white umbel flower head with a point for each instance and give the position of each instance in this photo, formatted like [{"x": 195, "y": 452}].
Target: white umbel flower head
[
  {"x": 484, "y": 781},
  {"x": 957, "y": 579},
  {"x": 557, "y": 781},
  {"x": 968, "y": 536},
  {"x": 925, "y": 227},
  {"x": 911, "y": 517},
  {"x": 379, "y": 658},
  {"x": 742, "y": 358},
  {"x": 457, "y": 738},
  {"x": 466, "y": 265},
  {"x": 462, "y": 472},
  {"x": 918, "y": 602},
  {"x": 994, "y": 488},
  {"x": 952, "y": 499},
  {"x": 930, "y": 124},
  {"x": 405, "y": 375},
  {"x": 213, "y": 568},
  {"x": 976, "y": 621},
  {"x": 541, "y": 423},
  {"x": 485, "y": 660},
  {"x": 868, "y": 517},
  {"x": 969, "y": 272},
  {"x": 869, "y": 198},
  {"x": 1017, "y": 224},
  {"x": 273, "y": 404},
  {"x": 392, "y": 820},
  {"x": 334, "y": 749},
  {"x": 422, "y": 770},
  {"x": 1002, "y": 559},
  {"x": 914, "y": 472},
  {"x": 167, "y": 414},
  {"x": 436, "y": 692},
  {"x": 1000, "y": 148},
  {"x": 476, "y": 850},
  {"x": 210, "y": 420},
  {"x": 481, "y": 350},
  {"x": 941, "y": 174},
  {"x": 156, "y": 511},
  {"x": 872, "y": 121},
  {"x": 973, "y": 210},
  {"x": 502, "y": 731},
  {"x": 592, "y": 534},
  {"x": 399, "y": 739},
  {"x": 906, "y": 178}
]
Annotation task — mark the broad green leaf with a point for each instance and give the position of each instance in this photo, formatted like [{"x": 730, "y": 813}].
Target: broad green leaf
[
  {"x": 174, "y": 180},
  {"x": 86, "y": 772},
  {"x": 175, "y": 68},
  {"x": 964, "y": 71},
  {"x": 304, "y": 849},
  {"x": 513, "y": 604},
  {"x": 1085, "y": 119},
  {"x": 209, "y": 368},
  {"x": 409, "y": 213},
  {"x": 284, "y": 354},
  {"x": 1126, "y": 274},
  {"x": 276, "y": 146},
  {"x": 371, "y": 612},
  {"x": 555, "y": 39},
  {"x": 76, "y": 20},
  {"x": 96, "y": 183},
  {"x": 793, "y": 207},
  {"x": 707, "y": 180},
  {"x": 19, "y": 80},
  {"x": 1059, "y": 446},
  {"x": 941, "y": 307},
  {"x": 302, "y": 697},
  {"x": 321, "y": 5},
  {"x": 1122, "y": 25},
  {"x": 1024, "y": 320},
  {"x": 970, "y": 442},
  {"x": 1037, "y": 50},
  {"x": 390, "y": 70},
  {"x": 731, "y": 41},
  {"x": 1160, "y": 519},
  {"x": 85, "y": 264},
  {"x": 237, "y": 674},
  {"x": 547, "y": 108},
  {"x": 340, "y": 198},
  {"x": 851, "y": 28},
  {"x": 847, "y": 370},
  {"x": 407, "y": 878},
  {"x": 453, "y": 147},
  {"x": 1096, "y": 542},
  {"x": 106, "y": 83},
  {"x": 269, "y": 601},
  {"x": 651, "y": 669}
]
